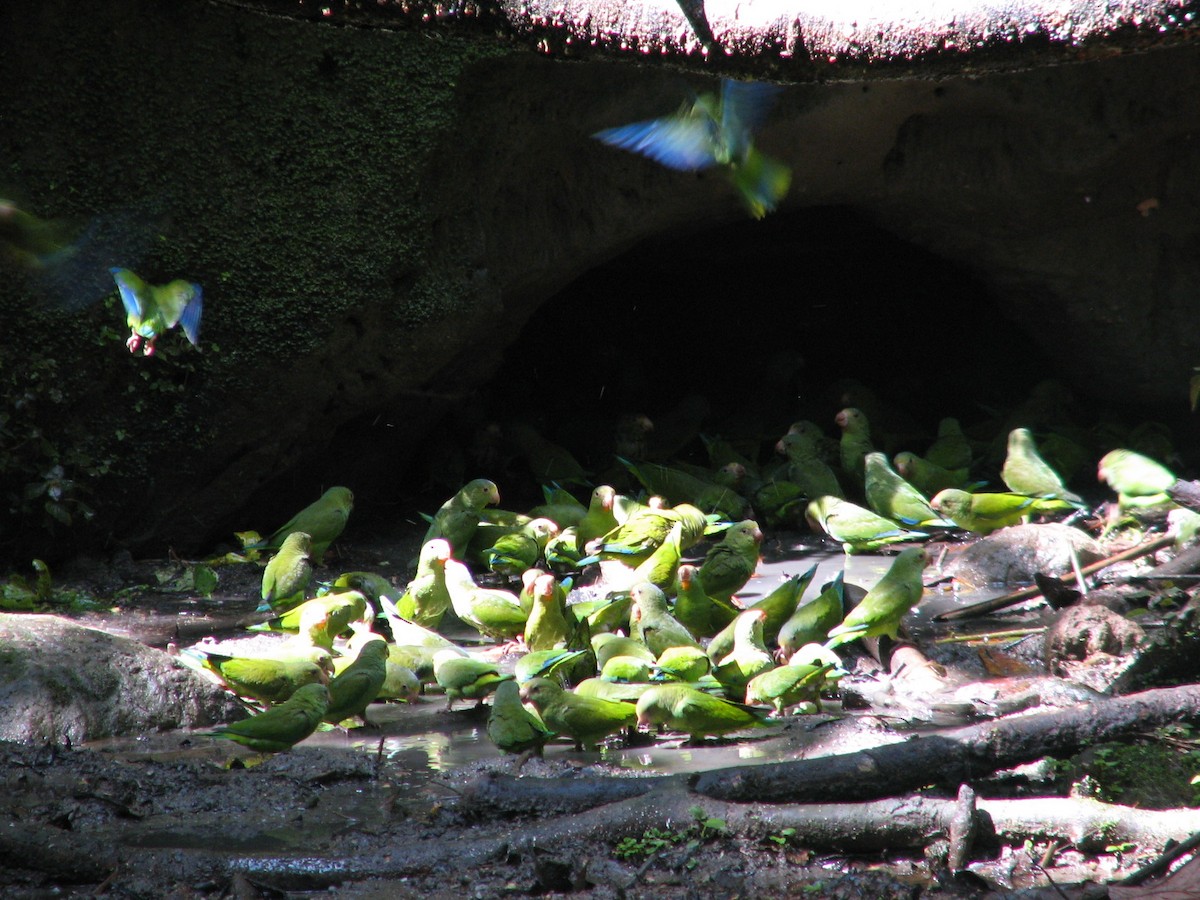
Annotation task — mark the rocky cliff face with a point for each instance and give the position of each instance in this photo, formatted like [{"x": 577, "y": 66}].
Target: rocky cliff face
[{"x": 375, "y": 215}]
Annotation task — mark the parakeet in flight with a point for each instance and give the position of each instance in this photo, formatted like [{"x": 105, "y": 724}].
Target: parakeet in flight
[
  {"x": 154, "y": 309},
  {"x": 714, "y": 131}
]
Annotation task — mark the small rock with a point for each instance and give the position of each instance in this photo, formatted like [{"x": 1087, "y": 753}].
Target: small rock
[
  {"x": 1012, "y": 555},
  {"x": 1090, "y": 645}
]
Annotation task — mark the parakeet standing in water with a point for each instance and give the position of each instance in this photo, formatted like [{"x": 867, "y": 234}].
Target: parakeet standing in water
[
  {"x": 714, "y": 131},
  {"x": 586, "y": 719},
  {"x": 323, "y": 520},
  {"x": 856, "y": 527},
  {"x": 1025, "y": 472},
  {"x": 880, "y": 611},
  {"x": 678, "y": 707},
  {"x": 152, "y": 310},
  {"x": 287, "y": 573},
  {"x": 282, "y": 726},
  {"x": 510, "y": 726},
  {"x": 352, "y": 691},
  {"x": 464, "y": 677}
]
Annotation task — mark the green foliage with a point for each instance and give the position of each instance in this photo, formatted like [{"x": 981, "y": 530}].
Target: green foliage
[
  {"x": 1154, "y": 773},
  {"x": 655, "y": 840},
  {"x": 19, "y": 595},
  {"x": 782, "y": 837}
]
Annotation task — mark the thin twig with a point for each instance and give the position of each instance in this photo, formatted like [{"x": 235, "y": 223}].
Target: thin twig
[{"x": 1163, "y": 862}]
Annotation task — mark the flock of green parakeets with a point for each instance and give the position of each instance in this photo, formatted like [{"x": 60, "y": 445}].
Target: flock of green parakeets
[{"x": 658, "y": 637}]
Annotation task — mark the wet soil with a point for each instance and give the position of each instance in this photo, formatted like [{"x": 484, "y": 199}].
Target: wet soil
[{"x": 379, "y": 812}]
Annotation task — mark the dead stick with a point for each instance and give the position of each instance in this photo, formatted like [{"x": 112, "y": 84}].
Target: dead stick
[{"x": 987, "y": 606}]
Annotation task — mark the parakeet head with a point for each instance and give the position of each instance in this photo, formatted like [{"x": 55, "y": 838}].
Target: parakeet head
[
  {"x": 540, "y": 692},
  {"x": 686, "y": 575},
  {"x": 480, "y": 493},
  {"x": 952, "y": 502},
  {"x": 603, "y": 496},
  {"x": 850, "y": 418},
  {"x": 904, "y": 463}
]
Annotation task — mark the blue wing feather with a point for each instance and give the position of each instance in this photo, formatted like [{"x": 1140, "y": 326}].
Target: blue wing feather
[
  {"x": 128, "y": 290},
  {"x": 679, "y": 142},
  {"x": 190, "y": 320}
]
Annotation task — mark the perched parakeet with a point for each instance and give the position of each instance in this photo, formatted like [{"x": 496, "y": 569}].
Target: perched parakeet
[
  {"x": 855, "y": 527},
  {"x": 626, "y": 668},
  {"x": 287, "y": 573},
  {"x": 371, "y": 585},
  {"x": 731, "y": 562},
  {"x": 408, "y": 633},
  {"x": 427, "y": 598},
  {"x": 465, "y": 677},
  {"x": 282, "y": 726},
  {"x": 880, "y": 611},
  {"x": 1138, "y": 480},
  {"x": 749, "y": 655},
  {"x": 660, "y": 567},
  {"x": 152, "y": 310},
  {"x": 780, "y": 603},
  {"x": 696, "y": 611},
  {"x": 512, "y": 727},
  {"x": 984, "y": 513},
  {"x": 678, "y": 707},
  {"x": 323, "y": 520},
  {"x": 598, "y": 520},
  {"x": 1025, "y": 472},
  {"x": 493, "y": 612},
  {"x": 459, "y": 516},
  {"x": 586, "y": 719},
  {"x": 270, "y": 679},
  {"x": 788, "y": 685},
  {"x": 626, "y": 692},
  {"x": 546, "y": 663},
  {"x": 894, "y": 498},
  {"x": 357, "y": 686},
  {"x": 646, "y": 528},
  {"x": 682, "y": 664},
  {"x": 812, "y": 621},
  {"x": 652, "y": 622},
  {"x": 855, "y": 443},
  {"x": 607, "y": 645},
  {"x": 714, "y": 131}
]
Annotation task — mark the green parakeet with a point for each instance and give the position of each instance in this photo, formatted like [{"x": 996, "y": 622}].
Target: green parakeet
[
  {"x": 459, "y": 516},
  {"x": 464, "y": 677},
  {"x": 547, "y": 627},
  {"x": 626, "y": 692},
  {"x": 323, "y": 520},
  {"x": 548, "y": 462},
  {"x": 695, "y": 609},
  {"x": 586, "y": 719},
  {"x": 680, "y": 708},
  {"x": 894, "y": 498},
  {"x": 812, "y": 621},
  {"x": 682, "y": 664},
  {"x": 1138, "y": 480},
  {"x": 333, "y": 612},
  {"x": 855, "y": 443},
  {"x": 352, "y": 691},
  {"x": 681, "y": 487},
  {"x": 282, "y": 726},
  {"x": 427, "y": 598},
  {"x": 749, "y": 656},
  {"x": 984, "y": 513},
  {"x": 646, "y": 528},
  {"x": 371, "y": 585},
  {"x": 287, "y": 573},
  {"x": 607, "y": 645},
  {"x": 731, "y": 562},
  {"x": 880, "y": 611},
  {"x": 806, "y": 468},
  {"x": 546, "y": 663},
  {"x": 512, "y": 727},
  {"x": 598, "y": 520},
  {"x": 626, "y": 668},
  {"x": 951, "y": 449},
  {"x": 1025, "y": 472},
  {"x": 493, "y": 612},
  {"x": 513, "y": 553},
  {"x": 270, "y": 679},
  {"x": 152, "y": 310},
  {"x": 929, "y": 478},
  {"x": 857, "y": 529},
  {"x": 780, "y": 603},
  {"x": 406, "y": 632},
  {"x": 788, "y": 685},
  {"x": 659, "y": 567},
  {"x": 653, "y": 623},
  {"x": 562, "y": 551},
  {"x": 714, "y": 131}
]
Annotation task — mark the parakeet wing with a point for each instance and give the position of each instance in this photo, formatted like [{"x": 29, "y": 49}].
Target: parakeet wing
[
  {"x": 134, "y": 291},
  {"x": 744, "y": 108},
  {"x": 184, "y": 303},
  {"x": 679, "y": 142}
]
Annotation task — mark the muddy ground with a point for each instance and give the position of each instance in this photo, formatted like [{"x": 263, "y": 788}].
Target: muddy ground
[{"x": 392, "y": 809}]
